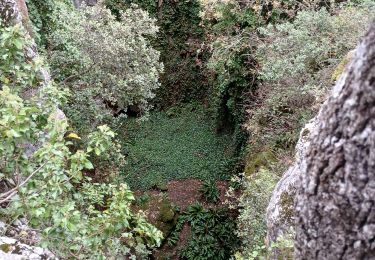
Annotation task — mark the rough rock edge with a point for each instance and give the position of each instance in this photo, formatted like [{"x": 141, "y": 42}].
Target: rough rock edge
[
  {"x": 335, "y": 204},
  {"x": 12, "y": 249},
  {"x": 280, "y": 214}
]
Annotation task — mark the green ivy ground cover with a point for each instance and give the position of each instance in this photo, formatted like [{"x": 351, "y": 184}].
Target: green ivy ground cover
[{"x": 177, "y": 144}]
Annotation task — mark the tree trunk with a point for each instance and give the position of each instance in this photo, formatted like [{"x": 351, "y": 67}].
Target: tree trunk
[{"x": 335, "y": 205}]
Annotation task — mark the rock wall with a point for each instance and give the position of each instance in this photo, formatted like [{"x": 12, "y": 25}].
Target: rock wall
[
  {"x": 335, "y": 204},
  {"x": 280, "y": 214},
  {"x": 280, "y": 210}
]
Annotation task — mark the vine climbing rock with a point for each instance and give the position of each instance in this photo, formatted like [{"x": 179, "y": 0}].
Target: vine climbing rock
[
  {"x": 335, "y": 203},
  {"x": 14, "y": 12}
]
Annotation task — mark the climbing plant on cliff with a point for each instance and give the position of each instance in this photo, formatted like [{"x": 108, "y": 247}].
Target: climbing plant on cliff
[
  {"x": 43, "y": 17},
  {"x": 107, "y": 63}
]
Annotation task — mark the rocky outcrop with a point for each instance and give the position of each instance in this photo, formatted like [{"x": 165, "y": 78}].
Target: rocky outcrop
[
  {"x": 17, "y": 240},
  {"x": 280, "y": 211},
  {"x": 335, "y": 203}
]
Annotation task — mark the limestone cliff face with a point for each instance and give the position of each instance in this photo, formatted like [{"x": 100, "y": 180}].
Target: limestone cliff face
[
  {"x": 280, "y": 212},
  {"x": 335, "y": 203}
]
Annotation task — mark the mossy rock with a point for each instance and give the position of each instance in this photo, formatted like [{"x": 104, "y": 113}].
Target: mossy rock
[
  {"x": 167, "y": 212},
  {"x": 342, "y": 65},
  {"x": 287, "y": 206},
  {"x": 258, "y": 160},
  {"x": 162, "y": 213},
  {"x": 6, "y": 248},
  {"x": 167, "y": 217},
  {"x": 162, "y": 186},
  {"x": 165, "y": 256}
]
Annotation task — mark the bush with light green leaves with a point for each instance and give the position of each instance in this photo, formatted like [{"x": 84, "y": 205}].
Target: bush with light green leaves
[
  {"x": 46, "y": 179},
  {"x": 297, "y": 61},
  {"x": 252, "y": 203},
  {"x": 108, "y": 64},
  {"x": 314, "y": 40}
]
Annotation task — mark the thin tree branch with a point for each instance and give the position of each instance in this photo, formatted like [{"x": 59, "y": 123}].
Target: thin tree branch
[{"x": 14, "y": 191}]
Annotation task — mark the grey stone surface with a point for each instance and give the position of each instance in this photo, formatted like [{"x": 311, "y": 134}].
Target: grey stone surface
[
  {"x": 11, "y": 248},
  {"x": 335, "y": 203},
  {"x": 280, "y": 210}
]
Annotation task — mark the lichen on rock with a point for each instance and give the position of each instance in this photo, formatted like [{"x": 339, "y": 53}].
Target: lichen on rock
[{"x": 280, "y": 215}]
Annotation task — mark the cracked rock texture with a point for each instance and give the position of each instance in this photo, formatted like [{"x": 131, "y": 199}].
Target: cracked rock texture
[
  {"x": 335, "y": 204},
  {"x": 280, "y": 210},
  {"x": 280, "y": 215}
]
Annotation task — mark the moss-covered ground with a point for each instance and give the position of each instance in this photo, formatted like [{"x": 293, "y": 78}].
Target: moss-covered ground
[{"x": 180, "y": 143}]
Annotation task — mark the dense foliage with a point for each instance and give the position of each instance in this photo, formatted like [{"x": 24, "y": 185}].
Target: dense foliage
[
  {"x": 107, "y": 63},
  {"x": 298, "y": 59},
  {"x": 179, "y": 42},
  {"x": 43, "y": 15},
  {"x": 253, "y": 73},
  {"x": 210, "y": 191},
  {"x": 46, "y": 179},
  {"x": 253, "y": 202},
  {"x": 212, "y": 233},
  {"x": 174, "y": 145}
]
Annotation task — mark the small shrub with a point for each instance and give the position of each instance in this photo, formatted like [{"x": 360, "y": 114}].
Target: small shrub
[
  {"x": 212, "y": 233},
  {"x": 210, "y": 191},
  {"x": 257, "y": 189},
  {"x": 282, "y": 248}
]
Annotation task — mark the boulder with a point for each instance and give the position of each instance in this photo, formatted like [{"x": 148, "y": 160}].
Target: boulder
[{"x": 12, "y": 249}]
